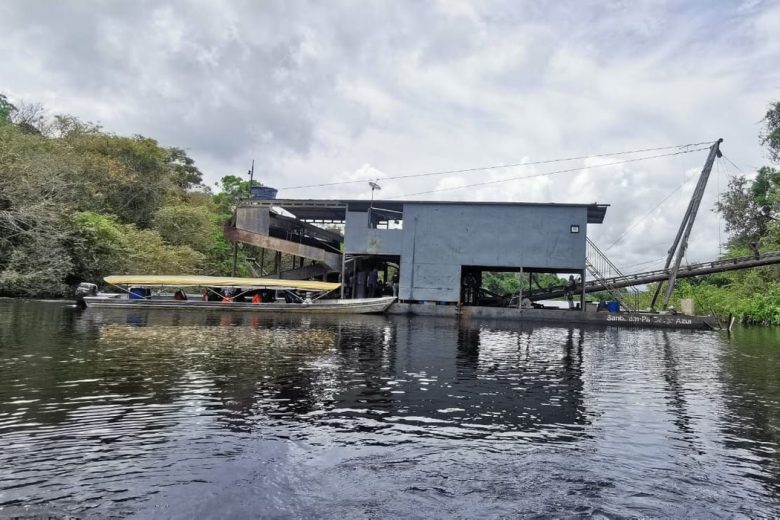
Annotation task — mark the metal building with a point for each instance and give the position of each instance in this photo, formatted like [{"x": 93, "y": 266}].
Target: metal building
[{"x": 438, "y": 249}]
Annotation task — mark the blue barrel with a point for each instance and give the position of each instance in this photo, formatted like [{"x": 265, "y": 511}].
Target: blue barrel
[
  {"x": 613, "y": 306},
  {"x": 263, "y": 192},
  {"x": 137, "y": 293}
]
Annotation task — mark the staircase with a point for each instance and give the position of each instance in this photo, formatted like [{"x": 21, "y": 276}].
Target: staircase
[{"x": 604, "y": 271}]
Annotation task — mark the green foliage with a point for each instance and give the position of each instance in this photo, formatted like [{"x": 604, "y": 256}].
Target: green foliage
[
  {"x": 38, "y": 267},
  {"x": 6, "y": 109},
  {"x": 750, "y": 207},
  {"x": 126, "y": 176},
  {"x": 762, "y": 308},
  {"x": 231, "y": 189},
  {"x": 77, "y": 204},
  {"x": 770, "y": 137},
  {"x": 99, "y": 246},
  {"x": 510, "y": 283},
  {"x": 150, "y": 254},
  {"x": 102, "y": 246},
  {"x": 184, "y": 172},
  {"x": 185, "y": 224},
  {"x": 751, "y": 296}
]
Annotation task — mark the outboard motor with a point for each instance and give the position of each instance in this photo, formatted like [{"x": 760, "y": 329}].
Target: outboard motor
[{"x": 85, "y": 289}]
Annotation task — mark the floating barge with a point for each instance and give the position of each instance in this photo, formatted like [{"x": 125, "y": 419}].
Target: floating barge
[
  {"x": 439, "y": 254},
  {"x": 562, "y": 316}
]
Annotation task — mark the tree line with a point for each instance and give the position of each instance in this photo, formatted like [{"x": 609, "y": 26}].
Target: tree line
[{"x": 78, "y": 203}]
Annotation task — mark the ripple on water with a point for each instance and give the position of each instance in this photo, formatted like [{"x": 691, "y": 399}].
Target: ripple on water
[{"x": 188, "y": 415}]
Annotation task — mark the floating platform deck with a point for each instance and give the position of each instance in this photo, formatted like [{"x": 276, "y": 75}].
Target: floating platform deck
[{"x": 561, "y": 316}]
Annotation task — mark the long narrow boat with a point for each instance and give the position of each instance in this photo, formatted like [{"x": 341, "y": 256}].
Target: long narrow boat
[{"x": 154, "y": 292}]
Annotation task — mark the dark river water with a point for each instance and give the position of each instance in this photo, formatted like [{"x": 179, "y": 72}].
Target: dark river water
[{"x": 161, "y": 414}]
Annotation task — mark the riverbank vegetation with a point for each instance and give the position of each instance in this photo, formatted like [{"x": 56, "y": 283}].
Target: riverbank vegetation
[{"x": 78, "y": 203}]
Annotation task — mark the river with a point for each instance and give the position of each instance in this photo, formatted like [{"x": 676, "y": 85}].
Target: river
[{"x": 169, "y": 414}]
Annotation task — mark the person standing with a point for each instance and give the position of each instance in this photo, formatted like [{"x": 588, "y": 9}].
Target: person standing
[
  {"x": 569, "y": 290},
  {"x": 348, "y": 284},
  {"x": 373, "y": 278}
]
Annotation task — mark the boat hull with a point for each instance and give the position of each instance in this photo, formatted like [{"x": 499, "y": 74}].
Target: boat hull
[{"x": 357, "y": 306}]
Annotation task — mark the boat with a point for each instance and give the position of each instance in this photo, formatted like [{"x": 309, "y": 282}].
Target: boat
[{"x": 228, "y": 293}]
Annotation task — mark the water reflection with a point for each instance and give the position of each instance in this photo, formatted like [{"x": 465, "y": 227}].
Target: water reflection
[
  {"x": 122, "y": 412},
  {"x": 377, "y": 374}
]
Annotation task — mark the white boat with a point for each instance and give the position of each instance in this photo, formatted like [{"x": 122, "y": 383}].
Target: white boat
[{"x": 154, "y": 292}]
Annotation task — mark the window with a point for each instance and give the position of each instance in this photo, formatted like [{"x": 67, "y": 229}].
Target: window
[
  {"x": 379, "y": 218},
  {"x": 575, "y": 228}
]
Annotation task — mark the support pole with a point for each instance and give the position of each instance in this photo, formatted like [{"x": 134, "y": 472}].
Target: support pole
[
  {"x": 343, "y": 272},
  {"x": 582, "y": 290},
  {"x": 354, "y": 278},
  {"x": 235, "y": 258},
  {"x": 691, "y": 216},
  {"x": 520, "y": 294}
]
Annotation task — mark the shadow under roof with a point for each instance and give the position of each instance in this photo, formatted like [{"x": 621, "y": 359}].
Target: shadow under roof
[{"x": 336, "y": 209}]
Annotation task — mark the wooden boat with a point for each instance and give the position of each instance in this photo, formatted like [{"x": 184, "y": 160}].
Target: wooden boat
[{"x": 154, "y": 292}]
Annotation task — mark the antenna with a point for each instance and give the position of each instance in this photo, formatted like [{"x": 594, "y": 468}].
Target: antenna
[
  {"x": 251, "y": 173},
  {"x": 374, "y": 186}
]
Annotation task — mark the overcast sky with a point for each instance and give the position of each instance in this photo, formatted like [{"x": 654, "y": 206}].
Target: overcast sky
[{"x": 328, "y": 91}]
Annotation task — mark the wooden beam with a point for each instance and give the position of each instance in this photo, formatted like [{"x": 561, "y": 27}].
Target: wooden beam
[{"x": 332, "y": 260}]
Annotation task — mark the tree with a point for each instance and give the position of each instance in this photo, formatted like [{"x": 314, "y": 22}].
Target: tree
[
  {"x": 770, "y": 137},
  {"x": 149, "y": 254},
  {"x": 185, "y": 224},
  {"x": 510, "y": 283},
  {"x": 99, "y": 246},
  {"x": 130, "y": 177},
  {"x": 185, "y": 174},
  {"x": 748, "y": 207},
  {"x": 751, "y": 208},
  {"x": 35, "y": 199},
  {"x": 231, "y": 189},
  {"x": 30, "y": 118},
  {"x": 6, "y": 109},
  {"x": 37, "y": 267}
]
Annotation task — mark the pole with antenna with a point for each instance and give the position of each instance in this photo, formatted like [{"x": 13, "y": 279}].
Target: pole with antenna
[
  {"x": 251, "y": 173},
  {"x": 374, "y": 186}
]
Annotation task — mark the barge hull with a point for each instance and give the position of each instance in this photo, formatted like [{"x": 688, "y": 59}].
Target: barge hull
[{"x": 560, "y": 316}]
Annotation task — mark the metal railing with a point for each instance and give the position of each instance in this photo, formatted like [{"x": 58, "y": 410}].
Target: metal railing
[{"x": 604, "y": 271}]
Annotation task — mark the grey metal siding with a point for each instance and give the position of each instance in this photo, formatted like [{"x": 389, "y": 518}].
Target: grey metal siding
[
  {"x": 360, "y": 239},
  {"x": 439, "y": 239}
]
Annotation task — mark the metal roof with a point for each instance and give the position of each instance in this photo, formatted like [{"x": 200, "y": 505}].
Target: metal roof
[
  {"x": 335, "y": 210},
  {"x": 217, "y": 281}
]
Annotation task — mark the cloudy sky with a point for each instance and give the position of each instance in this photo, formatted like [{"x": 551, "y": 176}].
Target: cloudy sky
[{"x": 330, "y": 91}]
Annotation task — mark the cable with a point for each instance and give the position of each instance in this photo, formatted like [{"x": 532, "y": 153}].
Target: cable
[
  {"x": 636, "y": 223},
  {"x": 548, "y": 173},
  {"x": 732, "y": 163},
  {"x": 657, "y": 260},
  {"x": 499, "y": 166}
]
